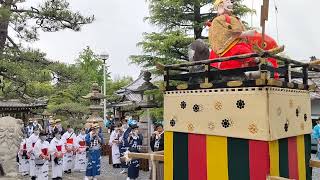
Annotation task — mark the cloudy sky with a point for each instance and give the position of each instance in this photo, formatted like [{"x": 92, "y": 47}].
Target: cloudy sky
[{"x": 119, "y": 26}]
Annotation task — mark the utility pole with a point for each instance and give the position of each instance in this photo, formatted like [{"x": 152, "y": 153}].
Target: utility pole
[{"x": 104, "y": 57}]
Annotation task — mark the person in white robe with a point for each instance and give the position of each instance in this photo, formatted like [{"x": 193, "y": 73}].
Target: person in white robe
[
  {"x": 42, "y": 156},
  {"x": 69, "y": 141},
  {"x": 81, "y": 158},
  {"x": 31, "y": 141},
  {"x": 56, "y": 150},
  {"x": 114, "y": 142},
  {"x": 24, "y": 167}
]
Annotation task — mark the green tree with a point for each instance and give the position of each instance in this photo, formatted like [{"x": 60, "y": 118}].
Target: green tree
[
  {"x": 22, "y": 68},
  {"x": 113, "y": 85},
  {"x": 74, "y": 81},
  {"x": 28, "y": 77},
  {"x": 180, "y": 22},
  {"x": 26, "y": 21}
]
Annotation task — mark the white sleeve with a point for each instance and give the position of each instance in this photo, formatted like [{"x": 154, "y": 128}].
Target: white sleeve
[
  {"x": 21, "y": 147},
  {"x": 76, "y": 141},
  {"x": 112, "y": 137},
  {"x": 37, "y": 149},
  {"x": 52, "y": 147},
  {"x": 64, "y": 138},
  {"x": 29, "y": 144},
  {"x": 62, "y": 146}
]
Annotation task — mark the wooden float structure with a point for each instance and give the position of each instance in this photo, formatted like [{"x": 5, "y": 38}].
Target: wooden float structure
[{"x": 250, "y": 129}]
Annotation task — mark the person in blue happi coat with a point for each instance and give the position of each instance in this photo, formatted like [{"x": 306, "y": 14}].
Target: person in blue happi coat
[
  {"x": 135, "y": 142},
  {"x": 316, "y": 135},
  {"x": 94, "y": 140},
  {"x": 124, "y": 144}
]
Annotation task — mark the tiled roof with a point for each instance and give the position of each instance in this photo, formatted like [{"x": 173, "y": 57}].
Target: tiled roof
[
  {"x": 18, "y": 104},
  {"x": 315, "y": 79},
  {"x": 137, "y": 83},
  {"x": 129, "y": 94}
]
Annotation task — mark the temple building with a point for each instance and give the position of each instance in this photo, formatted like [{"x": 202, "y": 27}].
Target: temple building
[{"x": 21, "y": 109}]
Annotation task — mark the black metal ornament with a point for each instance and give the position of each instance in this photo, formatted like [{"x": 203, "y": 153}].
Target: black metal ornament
[
  {"x": 297, "y": 112},
  {"x": 226, "y": 123},
  {"x": 172, "y": 122},
  {"x": 240, "y": 104},
  {"x": 286, "y": 126},
  {"x": 183, "y": 105},
  {"x": 305, "y": 117},
  {"x": 196, "y": 108}
]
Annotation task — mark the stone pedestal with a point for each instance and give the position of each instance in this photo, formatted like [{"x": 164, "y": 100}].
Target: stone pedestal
[
  {"x": 10, "y": 138},
  {"x": 144, "y": 128}
]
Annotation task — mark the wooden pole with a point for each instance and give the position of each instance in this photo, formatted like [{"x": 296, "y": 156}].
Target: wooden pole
[
  {"x": 154, "y": 167},
  {"x": 277, "y": 178},
  {"x": 264, "y": 54},
  {"x": 314, "y": 163},
  {"x": 315, "y": 62},
  {"x": 264, "y": 18},
  {"x": 153, "y": 157},
  {"x": 156, "y": 157}
]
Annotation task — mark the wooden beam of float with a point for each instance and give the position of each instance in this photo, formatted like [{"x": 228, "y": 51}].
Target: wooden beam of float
[
  {"x": 277, "y": 178},
  {"x": 314, "y": 163},
  {"x": 150, "y": 156},
  {"x": 315, "y": 62},
  {"x": 263, "y": 54},
  {"x": 266, "y": 54},
  {"x": 154, "y": 157}
]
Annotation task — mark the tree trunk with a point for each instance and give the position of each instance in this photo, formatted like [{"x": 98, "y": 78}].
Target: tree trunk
[
  {"x": 197, "y": 21},
  {"x": 4, "y": 24}
]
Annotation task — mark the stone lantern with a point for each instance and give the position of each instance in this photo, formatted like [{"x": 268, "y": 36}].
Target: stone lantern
[
  {"x": 147, "y": 102},
  {"x": 46, "y": 120},
  {"x": 95, "y": 97}
]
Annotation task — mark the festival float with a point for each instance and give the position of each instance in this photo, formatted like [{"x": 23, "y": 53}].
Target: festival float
[{"x": 233, "y": 112}]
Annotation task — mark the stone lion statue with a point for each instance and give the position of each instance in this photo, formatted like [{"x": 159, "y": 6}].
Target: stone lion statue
[{"x": 10, "y": 138}]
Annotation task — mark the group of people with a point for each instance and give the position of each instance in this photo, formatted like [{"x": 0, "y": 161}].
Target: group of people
[
  {"x": 66, "y": 152},
  {"x": 125, "y": 136}
]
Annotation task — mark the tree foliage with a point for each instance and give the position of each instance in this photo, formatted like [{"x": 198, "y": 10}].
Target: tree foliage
[
  {"x": 24, "y": 68},
  {"x": 180, "y": 22},
  {"x": 75, "y": 81},
  {"x": 166, "y": 48},
  {"x": 48, "y": 16}
]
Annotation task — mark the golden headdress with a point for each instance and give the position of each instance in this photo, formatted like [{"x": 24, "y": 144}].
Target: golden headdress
[{"x": 217, "y": 2}]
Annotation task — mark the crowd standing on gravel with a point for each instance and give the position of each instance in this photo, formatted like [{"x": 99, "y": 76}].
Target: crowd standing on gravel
[{"x": 65, "y": 151}]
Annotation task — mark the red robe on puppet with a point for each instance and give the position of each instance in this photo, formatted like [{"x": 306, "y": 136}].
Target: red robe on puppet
[{"x": 244, "y": 45}]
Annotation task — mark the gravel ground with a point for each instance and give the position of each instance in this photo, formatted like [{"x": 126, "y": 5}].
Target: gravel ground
[
  {"x": 315, "y": 171},
  {"x": 109, "y": 173}
]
